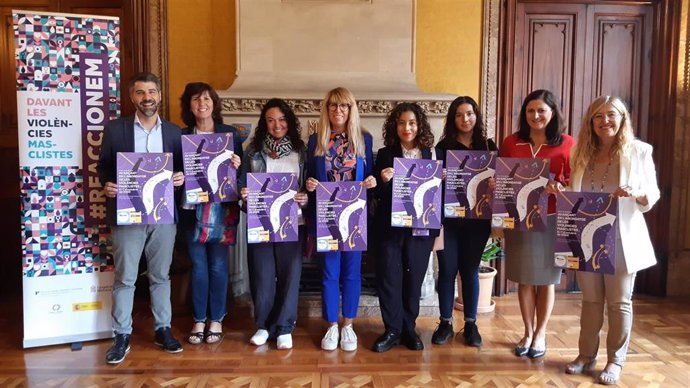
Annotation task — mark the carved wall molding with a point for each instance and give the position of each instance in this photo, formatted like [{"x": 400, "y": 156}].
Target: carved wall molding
[
  {"x": 490, "y": 43},
  {"x": 366, "y": 107}
]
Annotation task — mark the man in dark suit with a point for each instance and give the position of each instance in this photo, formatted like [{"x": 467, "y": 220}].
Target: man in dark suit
[{"x": 144, "y": 132}]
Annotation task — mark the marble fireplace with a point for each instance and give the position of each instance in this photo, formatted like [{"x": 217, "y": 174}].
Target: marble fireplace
[{"x": 299, "y": 49}]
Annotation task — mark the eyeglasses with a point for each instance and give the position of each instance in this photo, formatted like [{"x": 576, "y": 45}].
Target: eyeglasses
[
  {"x": 612, "y": 116},
  {"x": 342, "y": 107}
]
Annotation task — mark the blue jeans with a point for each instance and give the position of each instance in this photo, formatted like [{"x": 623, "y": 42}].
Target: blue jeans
[
  {"x": 210, "y": 271},
  {"x": 464, "y": 242}
]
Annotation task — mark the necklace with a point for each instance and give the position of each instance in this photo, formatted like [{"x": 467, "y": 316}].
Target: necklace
[{"x": 603, "y": 179}]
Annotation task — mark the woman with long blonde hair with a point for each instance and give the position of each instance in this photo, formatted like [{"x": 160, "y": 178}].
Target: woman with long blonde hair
[
  {"x": 608, "y": 158},
  {"x": 339, "y": 151}
]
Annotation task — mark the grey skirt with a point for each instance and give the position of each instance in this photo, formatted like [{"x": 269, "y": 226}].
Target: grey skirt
[{"x": 529, "y": 256}]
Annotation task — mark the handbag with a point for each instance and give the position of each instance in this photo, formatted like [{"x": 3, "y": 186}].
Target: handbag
[
  {"x": 216, "y": 223},
  {"x": 438, "y": 241}
]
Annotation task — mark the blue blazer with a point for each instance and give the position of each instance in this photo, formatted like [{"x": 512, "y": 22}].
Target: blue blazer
[
  {"x": 316, "y": 168},
  {"x": 118, "y": 136}
]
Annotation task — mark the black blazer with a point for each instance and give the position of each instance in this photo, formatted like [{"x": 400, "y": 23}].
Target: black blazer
[
  {"x": 118, "y": 136},
  {"x": 384, "y": 192}
]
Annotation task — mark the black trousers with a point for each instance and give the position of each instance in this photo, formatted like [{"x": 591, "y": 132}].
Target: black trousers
[
  {"x": 400, "y": 271},
  {"x": 274, "y": 275}
]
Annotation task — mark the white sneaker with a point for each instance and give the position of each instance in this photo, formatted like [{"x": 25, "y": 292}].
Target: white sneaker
[
  {"x": 284, "y": 341},
  {"x": 259, "y": 338},
  {"x": 348, "y": 339},
  {"x": 330, "y": 340}
]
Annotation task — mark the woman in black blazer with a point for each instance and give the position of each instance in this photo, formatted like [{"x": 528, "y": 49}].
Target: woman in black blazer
[{"x": 402, "y": 257}]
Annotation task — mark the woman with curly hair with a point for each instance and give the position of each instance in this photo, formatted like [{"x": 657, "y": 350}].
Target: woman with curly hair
[
  {"x": 403, "y": 256},
  {"x": 464, "y": 240},
  {"x": 275, "y": 268}
]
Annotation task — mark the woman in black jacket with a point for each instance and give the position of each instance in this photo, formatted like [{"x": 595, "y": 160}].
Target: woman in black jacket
[
  {"x": 463, "y": 239},
  {"x": 403, "y": 256}
]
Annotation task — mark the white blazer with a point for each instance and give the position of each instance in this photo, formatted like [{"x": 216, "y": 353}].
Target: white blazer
[{"x": 637, "y": 171}]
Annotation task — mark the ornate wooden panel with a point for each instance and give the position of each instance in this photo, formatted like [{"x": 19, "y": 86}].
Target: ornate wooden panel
[
  {"x": 549, "y": 40},
  {"x": 620, "y": 63}
]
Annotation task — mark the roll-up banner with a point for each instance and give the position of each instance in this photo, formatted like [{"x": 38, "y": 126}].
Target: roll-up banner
[{"x": 68, "y": 75}]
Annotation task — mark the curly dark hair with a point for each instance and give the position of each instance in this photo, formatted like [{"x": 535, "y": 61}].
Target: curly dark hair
[
  {"x": 424, "y": 138},
  {"x": 195, "y": 88},
  {"x": 554, "y": 128},
  {"x": 294, "y": 128},
  {"x": 450, "y": 130}
]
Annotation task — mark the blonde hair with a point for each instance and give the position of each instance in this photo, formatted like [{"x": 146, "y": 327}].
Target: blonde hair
[
  {"x": 588, "y": 142},
  {"x": 355, "y": 134}
]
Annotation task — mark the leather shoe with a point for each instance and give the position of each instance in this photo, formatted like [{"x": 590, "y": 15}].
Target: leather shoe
[
  {"x": 386, "y": 341},
  {"x": 412, "y": 341},
  {"x": 117, "y": 353},
  {"x": 165, "y": 340},
  {"x": 443, "y": 333}
]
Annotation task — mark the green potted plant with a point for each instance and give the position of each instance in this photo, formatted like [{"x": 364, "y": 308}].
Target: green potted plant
[{"x": 487, "y": 273}]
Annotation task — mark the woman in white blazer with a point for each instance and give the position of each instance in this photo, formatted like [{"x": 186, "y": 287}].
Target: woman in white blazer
[{"x": 608, "y": 158}]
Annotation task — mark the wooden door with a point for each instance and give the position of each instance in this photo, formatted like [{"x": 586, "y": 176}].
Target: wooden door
[{"x": 582, "y": 49}]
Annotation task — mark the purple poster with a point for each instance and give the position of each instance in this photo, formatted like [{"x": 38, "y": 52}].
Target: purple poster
[
  {"x": 519, "y": 199},
  {"x": 209, "y": 174},
  {"x": 271, "y": 207},
  {"x": 467, "y": 184},
  {"x": 145, "y": 188},
  {"x": 586, "y": 232},
  {"x": 417, "y": 193},
  {"x": 341, "y": 216}
]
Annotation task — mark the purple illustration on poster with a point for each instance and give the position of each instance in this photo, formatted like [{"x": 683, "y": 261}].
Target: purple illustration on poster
[
  {"x": 271, "y": 207},
  {"x": 209, "y": 173},
  {"x": 341, "y": 217},
  {"x": 145, "y": 188},
  {"x": 519, "y": 202},
  {"x": 417, "y": 193},
  {"x": 467, "y": 184},
  {"x": 586, "y": 232}
]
